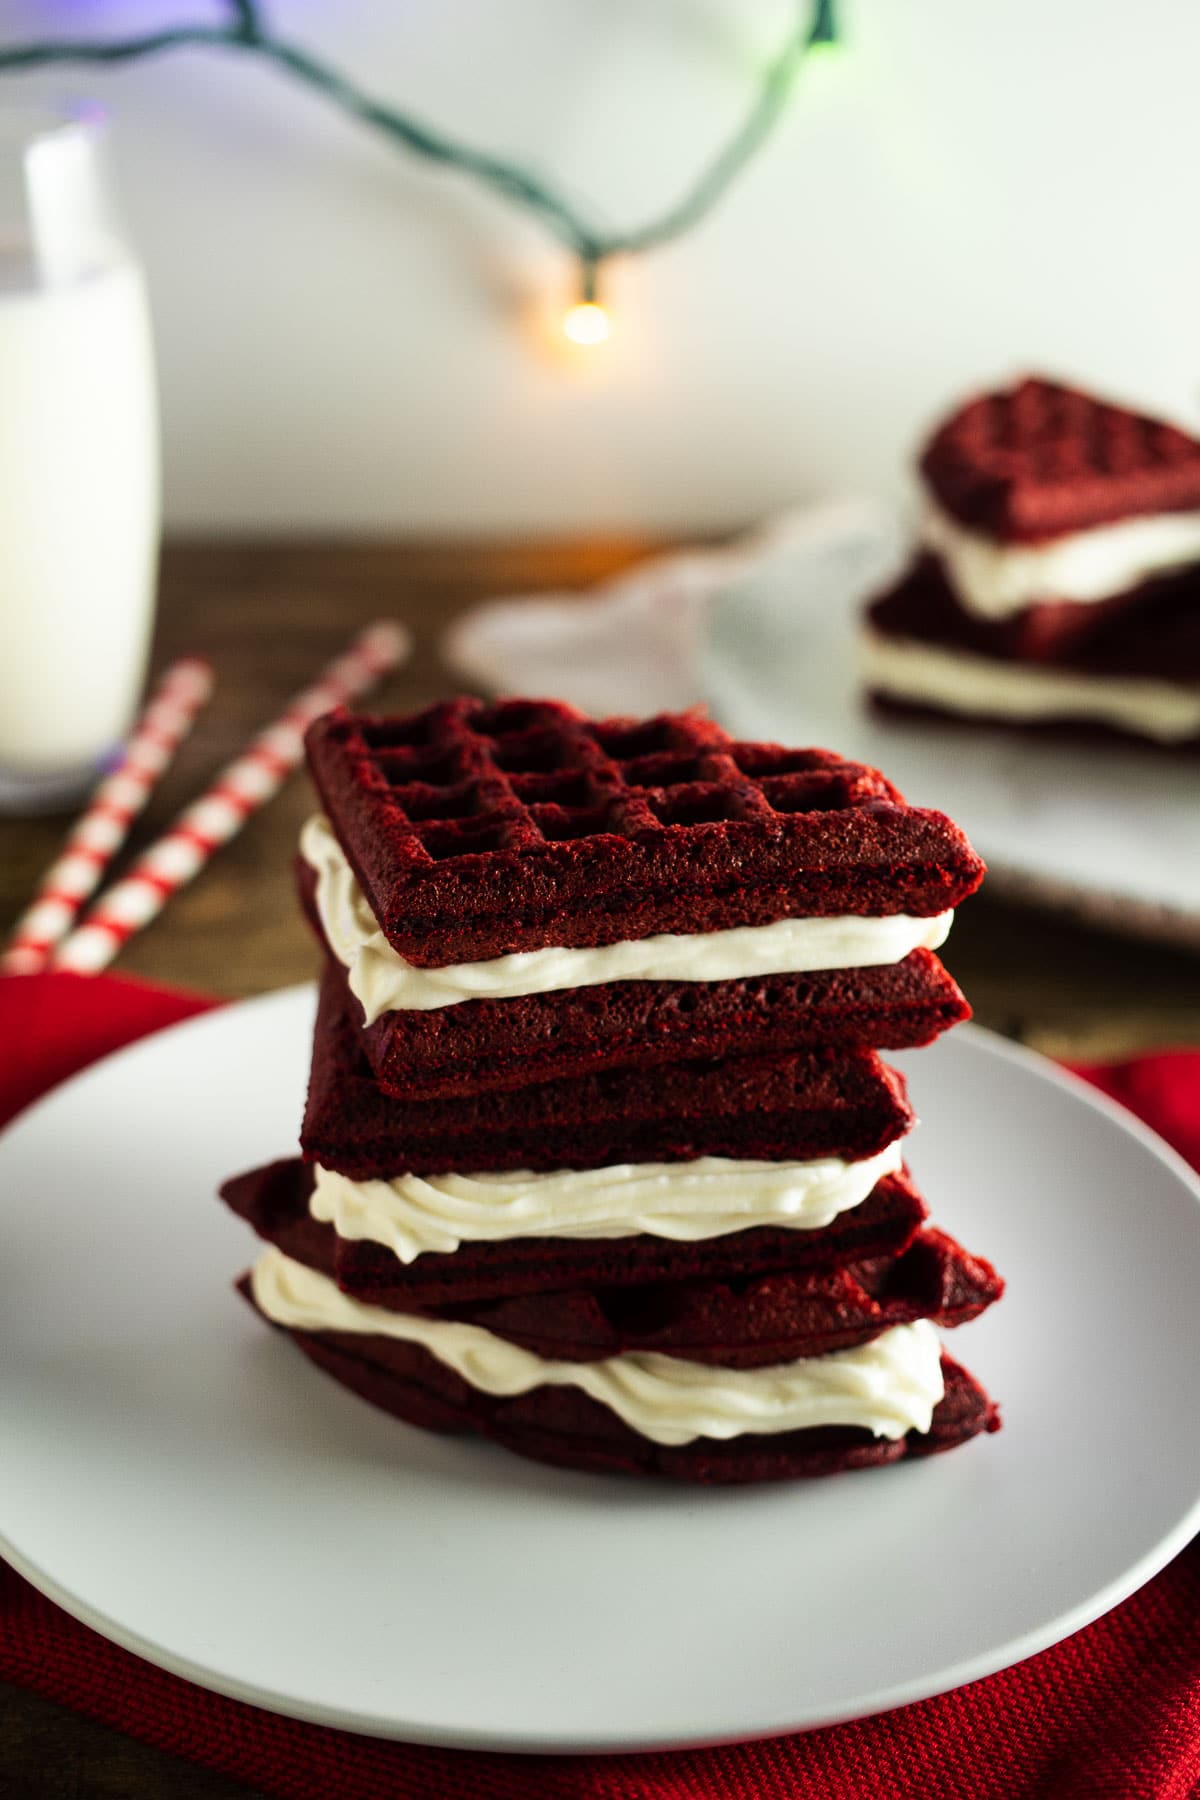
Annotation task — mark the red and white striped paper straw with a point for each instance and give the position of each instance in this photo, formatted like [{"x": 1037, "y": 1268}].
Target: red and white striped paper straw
[
  {"x": 239, "y": 790},
  {"x": 104, "y": 825}
]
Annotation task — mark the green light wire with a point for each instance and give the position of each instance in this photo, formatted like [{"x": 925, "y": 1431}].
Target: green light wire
[{"x": 249, "y": 33}]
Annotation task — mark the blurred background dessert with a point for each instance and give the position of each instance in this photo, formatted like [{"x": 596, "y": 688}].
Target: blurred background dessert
[{"x": 1058, "y": 580}]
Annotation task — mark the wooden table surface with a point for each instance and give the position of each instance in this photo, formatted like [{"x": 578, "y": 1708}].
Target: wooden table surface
[{"x": 269, "y": 615}]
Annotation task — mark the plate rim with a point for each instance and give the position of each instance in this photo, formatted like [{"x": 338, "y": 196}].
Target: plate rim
[{"x": 616, "y": 1741}]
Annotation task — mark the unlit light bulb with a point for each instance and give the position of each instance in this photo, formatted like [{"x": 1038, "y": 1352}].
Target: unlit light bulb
[{"x": 586, "y": 323}]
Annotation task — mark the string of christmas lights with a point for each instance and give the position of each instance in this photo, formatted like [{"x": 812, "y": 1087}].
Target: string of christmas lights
[{"x": 585, "y": 322}]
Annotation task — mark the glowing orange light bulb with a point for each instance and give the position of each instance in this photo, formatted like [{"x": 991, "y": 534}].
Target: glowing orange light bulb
[{"x": 586, "y": 323}]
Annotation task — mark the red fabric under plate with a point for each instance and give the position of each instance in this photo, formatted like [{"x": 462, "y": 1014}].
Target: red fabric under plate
[
  {"x": 1163, "y": 1089},
  {"x": 51, "y": 1026},
  {"x": 1111, "y": 1714}
]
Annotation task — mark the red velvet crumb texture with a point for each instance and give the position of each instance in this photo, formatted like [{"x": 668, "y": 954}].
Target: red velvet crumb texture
[{"x": 790, "y": 1108}]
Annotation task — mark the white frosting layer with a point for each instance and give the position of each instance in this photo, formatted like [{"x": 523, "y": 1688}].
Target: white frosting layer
[
  {"x": 384, "y": 982},
  {"x": 707, "y": 1198},
  {"x": 889, "y": 1386},
  {"x": 995, "y": 580},
  {"x": 958, "y": 682}
]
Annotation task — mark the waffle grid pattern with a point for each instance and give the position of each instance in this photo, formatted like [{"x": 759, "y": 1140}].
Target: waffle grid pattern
[
  {"x": 476, "y": 830},
  {"x": 1043, "y": 459},
  {"x": 462, "y": 778}
]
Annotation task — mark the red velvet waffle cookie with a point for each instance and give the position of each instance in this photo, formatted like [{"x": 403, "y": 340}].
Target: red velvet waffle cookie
[
  {"x": 1153, "y": 632},
  {"x": 476, "y": 831},
  {"x": 563, "y": 1426},
  {"x": 482, "y": 1045},
  {"x": 1163, "y": 643},
  {"x": 741, "y": 1322},
  {"x": 1044, "y": 460},
  {"x": 1157, "y": 642},
  {"x": 748, "y": 1323},
  {"x": 789, "y": 1108},
  {"x": 274, "y": 1201}
]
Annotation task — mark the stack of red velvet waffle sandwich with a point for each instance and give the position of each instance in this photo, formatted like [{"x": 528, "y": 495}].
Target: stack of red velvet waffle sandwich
[
  {"x": 1058, "y": 584},
  {"x": 599, "y": 1157}
]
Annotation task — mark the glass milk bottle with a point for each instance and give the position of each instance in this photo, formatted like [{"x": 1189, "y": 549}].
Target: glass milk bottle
[{"x": 79, "y": 469}]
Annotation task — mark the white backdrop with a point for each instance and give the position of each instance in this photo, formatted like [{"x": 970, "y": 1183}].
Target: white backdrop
[{"x": 350, "y": 341}]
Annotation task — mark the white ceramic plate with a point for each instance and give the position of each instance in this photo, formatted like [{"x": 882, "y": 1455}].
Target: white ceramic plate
[{"x": 184, "y": 1481}]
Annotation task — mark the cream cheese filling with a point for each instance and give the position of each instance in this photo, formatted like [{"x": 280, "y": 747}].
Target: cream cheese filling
[
  {"x": 383, "y": 981},
  {"x": 889, "y": 1386},
  {"x": 994, "y": 580},
  {"x": 709, "y": 1197},
  {"x": 957, "y": 681}
]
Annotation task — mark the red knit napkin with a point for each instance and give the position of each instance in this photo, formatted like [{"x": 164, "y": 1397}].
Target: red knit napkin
[{"x": 1113, "y": 1713}]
